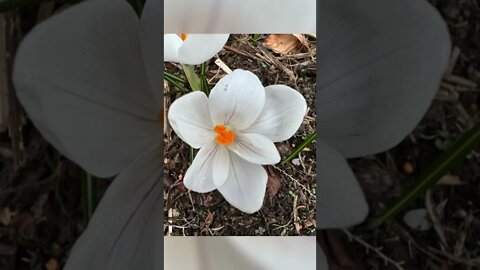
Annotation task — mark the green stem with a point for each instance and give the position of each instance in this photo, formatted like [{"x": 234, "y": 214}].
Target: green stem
[
  {"x": 192, "y": 78},
  {"x": 300, "y": 148},
  {"x": 203, "y": 75},
  {"x": 445, "y": 163},
  {"x": 193, "y": 153},
  {"x": 89, "y": 194}
]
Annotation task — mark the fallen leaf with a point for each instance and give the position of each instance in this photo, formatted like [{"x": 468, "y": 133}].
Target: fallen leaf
[
  {"x": 209, "y": 219},
  {"x": 451, "y": 180},
  {"x": 311, "y": 223},
  {"x": 209, "y": 200},
  {"x": 52, "y": 264},
  {"x": 273, "y": 183},
  {"x": 286, "y": 43}
]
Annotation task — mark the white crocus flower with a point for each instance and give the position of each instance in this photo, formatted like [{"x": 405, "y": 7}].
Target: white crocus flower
[
  {"x": 90, "y": 80},
  {"x": 246, "y": 16},
  {"x": 236, "y": 127},
  {"x": 192, "y": 49}
]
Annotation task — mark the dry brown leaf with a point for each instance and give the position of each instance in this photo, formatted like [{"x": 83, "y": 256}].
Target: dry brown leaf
[
  {"x": 209, "y": 219},
  {"x": 286, "y": 43},
  {"x": 273, "y": 183},
  {"x": 451, "y": 180},
  {"x": 52, "y": 264},
  {"x": 311, "y": 223}
]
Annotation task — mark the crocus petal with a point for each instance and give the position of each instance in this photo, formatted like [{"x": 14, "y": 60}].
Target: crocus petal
[
  {"x": 221, "y": 165},
  {"x": 212, "y": 253},
  {"x": 198, "y": 48},
  {"x": 233, "y": 16},
  {"x": 255, "y": 148},
  {"x": 176, "y": 248},
  {"x": 124, "y": 230},
  {"x": 237, "y": 99},
  {"x": 172, "y": 43},
  {"x": 240, "y": 253},
  {"x": 80, "y": 77},
  {"x": 278, "y": 253},
  {"x": 245, "y": 185},
  {"x": 340, "y": 200},
  {"x": 199, "y": 176},
  {"x": 150, "y": 40},
  {"x": 282, "y": 114},
  {"x": 190, "y": 119},
  {"x": 381, "y": 64}
]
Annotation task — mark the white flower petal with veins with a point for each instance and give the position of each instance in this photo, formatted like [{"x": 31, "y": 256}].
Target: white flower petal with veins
[{"x": 232, "y": 160}]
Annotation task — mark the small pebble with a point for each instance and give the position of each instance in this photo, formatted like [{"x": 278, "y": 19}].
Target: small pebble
[{"x": 296, "y": 161}]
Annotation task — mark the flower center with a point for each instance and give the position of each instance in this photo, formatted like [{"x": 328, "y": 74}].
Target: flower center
[
  {"x": 183, "y": 36},
  {"x": 224, "y": 135}
]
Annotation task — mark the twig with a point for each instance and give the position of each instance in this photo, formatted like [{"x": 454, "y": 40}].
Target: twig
[
  {"x": 223, "y": 66},
  {"x": 242, "y": 52},
  {"x": 434, "y": 218},
  {"x": 170, "y": 221},
  {"x": 378, "y": 251},
  {"x": 279, "y": 64},
  {"x": 453, "y": 60},
  {"x": 295, "y": 180},
  {"x": 432, "y": 252},
  {"x": 295, "y": 214}
]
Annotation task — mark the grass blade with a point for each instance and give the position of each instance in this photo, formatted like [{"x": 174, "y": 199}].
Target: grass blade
[
  {"x": 89, "y": 195},
  {"x": 445, "y": 163},
  {"x": 193, "y": 80},
  {"x": 300, "y": 148},
  {"x": 173, "y": 77},
  {"x": 175, "y": 82},
  {"x": 203, "y": 78},
  {"x": 193, "y": 153}
]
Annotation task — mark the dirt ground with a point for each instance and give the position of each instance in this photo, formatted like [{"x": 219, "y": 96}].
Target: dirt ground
[{"x": 42, "y": 214}]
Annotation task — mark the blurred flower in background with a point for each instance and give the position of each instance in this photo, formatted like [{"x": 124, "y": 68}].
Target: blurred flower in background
[
  {"x": 192, "y": 49},
  {"x": 240, "y": 253}
]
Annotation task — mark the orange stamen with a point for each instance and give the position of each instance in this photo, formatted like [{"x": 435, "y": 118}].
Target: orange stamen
[
  {"x": 183, "y": 36},
  {"x": 224, "y": 136}
]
